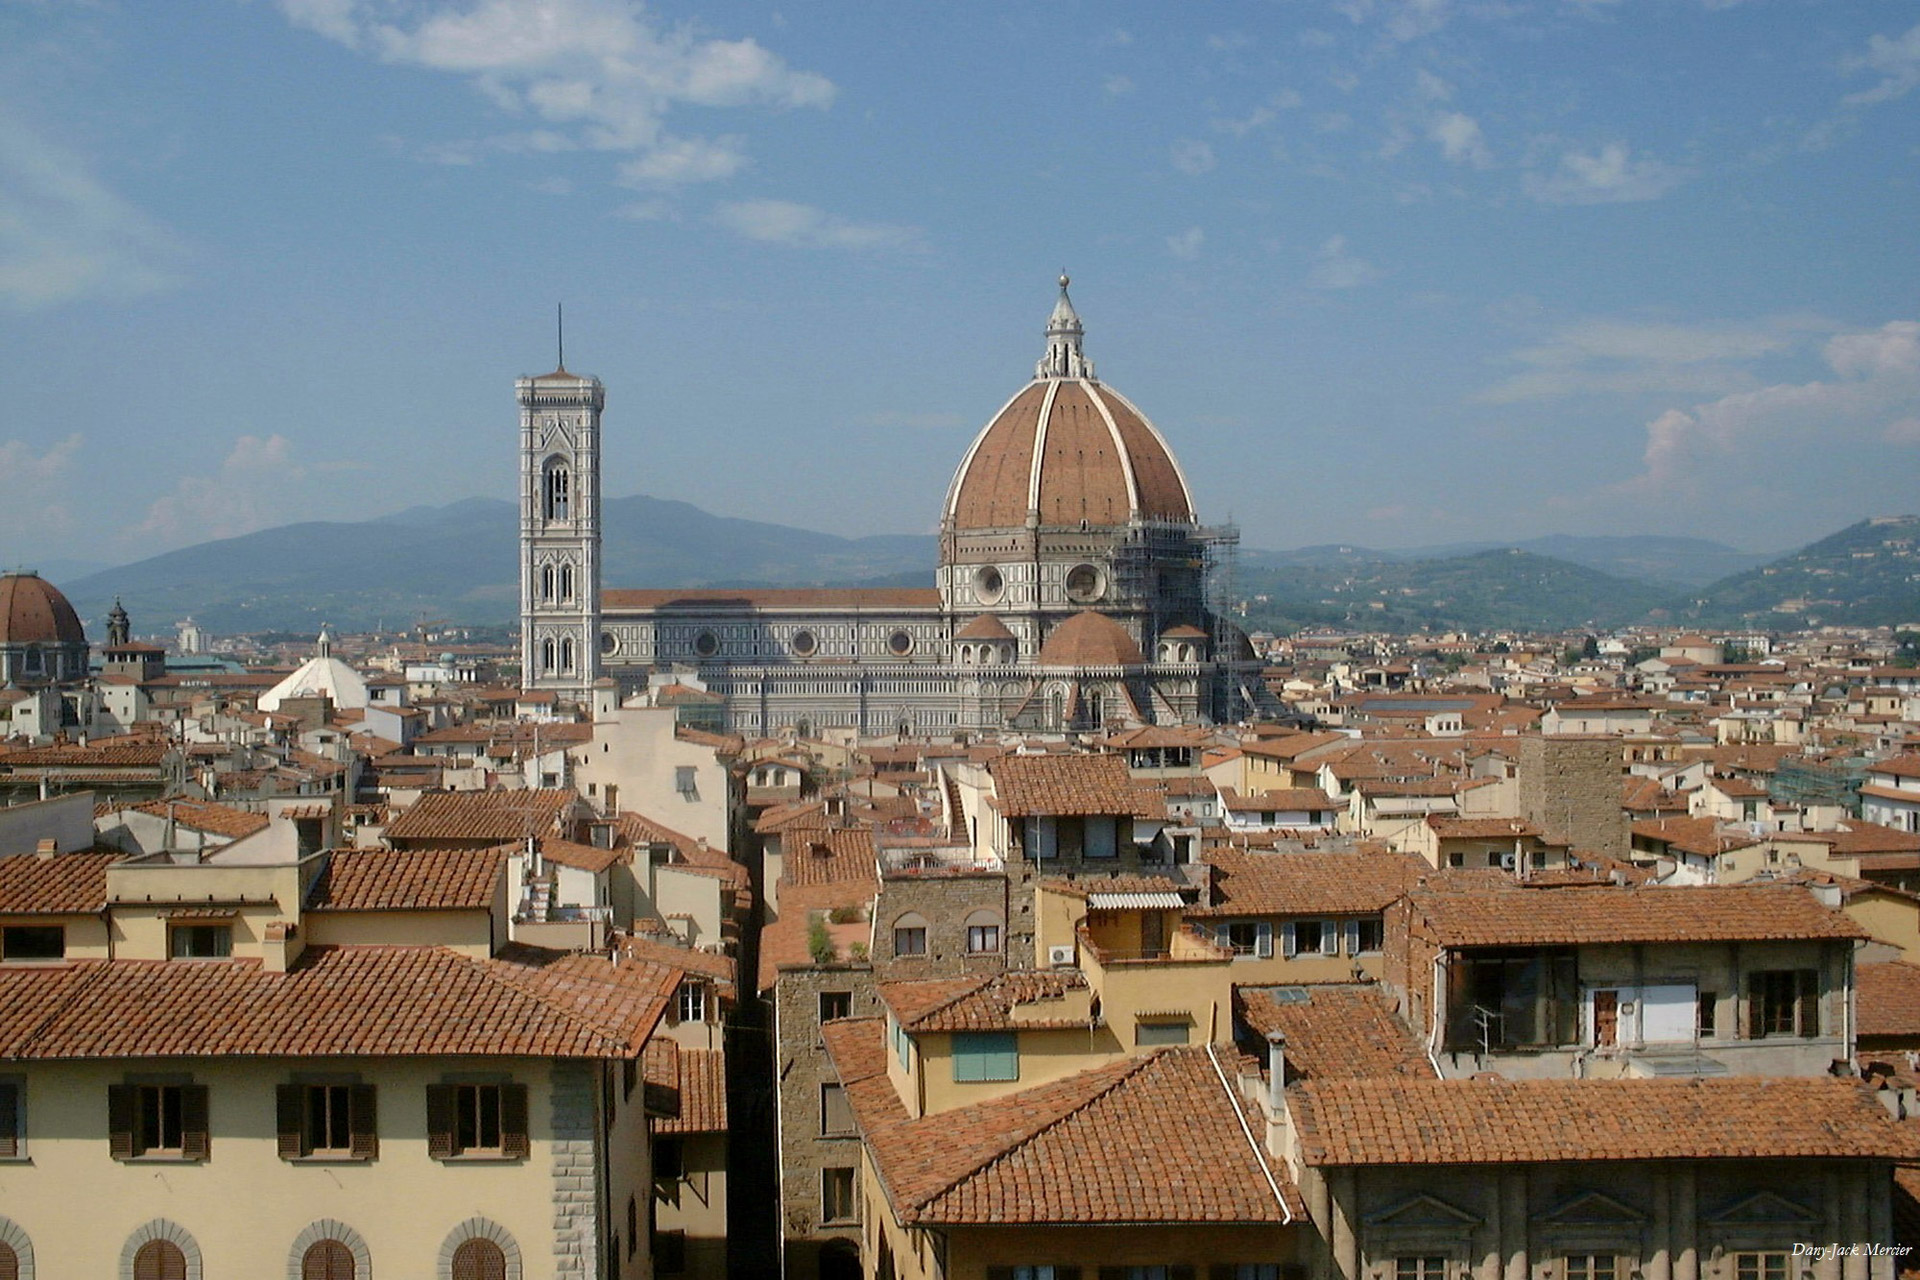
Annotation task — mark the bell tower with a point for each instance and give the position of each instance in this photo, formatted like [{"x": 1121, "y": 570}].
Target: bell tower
[{"x": 560, "y": 531}]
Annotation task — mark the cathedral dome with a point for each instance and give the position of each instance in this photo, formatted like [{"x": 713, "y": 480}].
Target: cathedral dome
[
  {"x": 32, "y": 611},
  {"x": 1090, "y": 639},
  {"x": 1067, "y": 451}
]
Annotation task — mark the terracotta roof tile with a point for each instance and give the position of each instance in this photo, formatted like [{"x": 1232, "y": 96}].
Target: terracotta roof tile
[
  {"x": 703, "y": 1094},
  {"x": 1399, "y": 1120},
  {"x": 1146, "y": 1139},
  {"x": 1570, "y": 915},
  {"x": 981, "y": 1004},
  {"x": 1063, "y": 784},
  {"x": 336, "y": 1001},
  {"x": 205, "y": 815},
  {"x": 408, "y": 880},
  {"x": 828, "y": 856},
  {"x": 1307, "y": 883},
  {"x": 62, "y": 884},
  {"x": 1889, "y": 999},
  {"x": 1336, "y": 1031},
  {"x": 493, "y": 816}
]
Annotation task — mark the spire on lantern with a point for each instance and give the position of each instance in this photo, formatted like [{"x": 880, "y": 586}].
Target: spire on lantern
[{"x": 1064, "y": 331}]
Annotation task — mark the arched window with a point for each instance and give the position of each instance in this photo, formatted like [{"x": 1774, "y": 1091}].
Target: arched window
[
  {"x": 566, "y": 655},
  {"x": 984, "y": 933},
  {"x": 327, "y": 1260},
  {"x": 159, "y": 1260},
  {"x": 546, "y": 655},
  {"x": 910, "y": 935},
  {"x": 566, "y": 582},
  {"x": 556, "y": 490},
  {"x": 546, "y": 582},
  {"x": 479, "y": 1260}
]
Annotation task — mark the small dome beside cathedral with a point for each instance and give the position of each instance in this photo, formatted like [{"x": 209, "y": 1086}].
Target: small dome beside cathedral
[{"x": 1090, "y": 639}]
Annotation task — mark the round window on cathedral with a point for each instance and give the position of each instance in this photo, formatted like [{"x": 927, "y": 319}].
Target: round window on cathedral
[
  {"x": 706, "y": 644},
  {"x": 607, "y": 642},
  {"x": 900, "y": 644},
  {"x": 804, "y": 643},
  {"x": 1085, "y": 584},
  {"x": 988, "y": 584}
]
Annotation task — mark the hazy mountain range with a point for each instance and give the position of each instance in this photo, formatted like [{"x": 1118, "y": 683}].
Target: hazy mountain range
[{"x": 459, "y": 563}]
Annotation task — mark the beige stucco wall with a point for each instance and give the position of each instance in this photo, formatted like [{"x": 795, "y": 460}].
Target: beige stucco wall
[
  {"x": 244, "y": 1206},
  {"x": 468, "y": 932},
  {"x": 634, "y": 749}
]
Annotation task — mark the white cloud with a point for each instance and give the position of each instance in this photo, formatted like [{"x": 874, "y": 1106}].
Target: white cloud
[
  {"x": 1895, "y": 59},
  {"x": 39, "y": 473},
  {"x": 596, "y": 75},
  {"x": 1335, "y": 268},
  {"x": 1191, "y": 156},
  {"x": 1871, "y": 399},
  {"x": 65, "y": 234},
  {"x": 1610, "y": 175},
  {"x": 805, "y": 227},
  {"x": 1119, "y": 86},
  {"x": 1623, "y": 357},
  {"x": 1187, "y": 244},
  {"x": 259, "y": 484},
  {"x": 1460, "y": 139}
]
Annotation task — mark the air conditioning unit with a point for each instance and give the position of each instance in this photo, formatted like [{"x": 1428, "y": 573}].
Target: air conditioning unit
[
  {"x": 1508, "y": 862},
  {"x": 1060, "y": 957}
]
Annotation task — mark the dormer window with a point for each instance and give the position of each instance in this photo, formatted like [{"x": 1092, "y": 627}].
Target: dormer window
[{"x": 200, "y": 941}]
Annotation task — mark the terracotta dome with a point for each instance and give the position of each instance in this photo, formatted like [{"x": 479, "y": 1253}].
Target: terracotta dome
[
  {"x": 1090, "y": 639},
  {"x": 32, "y": 611},
  {"x": 984, "y": 627},
  {"x": 1067, "y": 450}
]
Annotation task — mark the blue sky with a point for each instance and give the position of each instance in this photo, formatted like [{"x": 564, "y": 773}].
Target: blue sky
[{"x": 1392, "y": 272}]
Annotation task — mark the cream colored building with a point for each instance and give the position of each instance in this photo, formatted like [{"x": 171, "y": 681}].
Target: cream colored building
[{"x": 206, "y": 1070}]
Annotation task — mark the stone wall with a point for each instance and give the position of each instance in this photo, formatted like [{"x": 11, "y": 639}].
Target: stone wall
[
  {"x": 576, "y": 1175},
  {"x": 1571, "y": 788}
]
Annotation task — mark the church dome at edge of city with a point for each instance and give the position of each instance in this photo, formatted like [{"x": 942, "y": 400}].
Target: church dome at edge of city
[{"x": 1067, "y": 451}]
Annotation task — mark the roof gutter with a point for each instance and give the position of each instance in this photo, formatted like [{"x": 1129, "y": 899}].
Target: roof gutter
[{"x": 1286, "y": 1214}]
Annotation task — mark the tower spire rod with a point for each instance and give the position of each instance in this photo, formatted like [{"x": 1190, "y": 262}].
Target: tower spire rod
[{"x": 560, "y": 331}]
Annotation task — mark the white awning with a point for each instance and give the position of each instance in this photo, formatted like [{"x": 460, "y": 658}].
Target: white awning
[{"x": 1136, "y": 901}]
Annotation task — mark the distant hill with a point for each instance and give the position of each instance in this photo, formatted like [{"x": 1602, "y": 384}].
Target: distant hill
[
  {"x": 1868, "y": 574},
  {"x": 461, "y": 563},
  {"x": 1685, "y": 562},
  {"x": 1503, "y": 588}
]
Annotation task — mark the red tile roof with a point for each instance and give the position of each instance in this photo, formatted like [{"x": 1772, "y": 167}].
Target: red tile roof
[
  {"x": 1336, "y": 1031},
  {"x": 703, "y": 1094},
  {"x": 1063, "y": 784},
  {"x": 1151, "y": 1139},
  {"x": 1888, "y": 996},
  {"x": 493, "y": 816},
  {"x": 1600, "y": 914},
  {"x": 982, "y": 1004},
  {"x": 204, "y": 815},
  {"x": 63, "y": 884},
  {"x": 408, "y": 880},
  {"x": 377, "y": 1001},
  {"x": 1400, "y": 1120},
  {"x": 829, "y": 856},
  {"x": 1307, "y": 883}
]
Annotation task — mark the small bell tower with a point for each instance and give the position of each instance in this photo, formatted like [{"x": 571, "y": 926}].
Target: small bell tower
[{"x": 560, "y": 530}]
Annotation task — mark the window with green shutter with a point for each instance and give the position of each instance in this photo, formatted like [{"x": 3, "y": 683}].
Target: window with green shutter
[{"x": 985, "y": 1055}]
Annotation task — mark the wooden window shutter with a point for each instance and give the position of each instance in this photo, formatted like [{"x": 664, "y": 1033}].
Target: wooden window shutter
[
  {"x": 1808, "y": 1019},
  {"x": 159, "y": 1260},
  {"x": 9, "y": 1127},
  {"x": 479, "y": 1260},
  {"x": 289, "y": 1120},
  {"x": 120, "y": 1113},
  {"x": 365, "y": 1120},
  {"x": 514, "y": 1143},
  {"x": 195, "y": 1139},
  {"x": 1288, "y": 947},
  {"x": 9, "y": 1263},
  {"x": 1756, "y": 1007},
  {"x": 440, "y": 1121},
  {"x": 1352, "y": 931},
  {"x": 327, "y": 1260}
]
